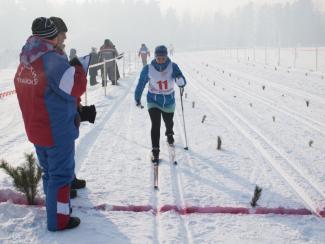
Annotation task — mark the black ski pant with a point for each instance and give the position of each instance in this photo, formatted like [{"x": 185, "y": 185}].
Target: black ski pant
[{"x": 155, "y": 116}]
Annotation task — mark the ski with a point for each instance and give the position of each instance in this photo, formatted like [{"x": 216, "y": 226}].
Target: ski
[
  {"x": 172, "y": 154},
  {"x": 155, "y": 175}
]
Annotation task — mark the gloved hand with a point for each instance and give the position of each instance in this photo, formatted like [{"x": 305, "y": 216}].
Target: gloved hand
[
  {"x": 87, "y": 113},
  {"x": 180, "y": 81},
  {"x": 138, "y": 104},
  {"x": 75, "y": 61}
]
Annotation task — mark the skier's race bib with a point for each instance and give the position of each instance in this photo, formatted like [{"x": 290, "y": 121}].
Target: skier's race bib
[{"x": 161, "y": 82}]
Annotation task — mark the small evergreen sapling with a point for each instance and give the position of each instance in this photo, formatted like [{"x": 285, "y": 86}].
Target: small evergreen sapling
[
  {"x": 257, "y": 195},
  {"x": 203, "y": 118},
  {"x": 25, "y": 177},
  {"x": 219, "y": 143}
]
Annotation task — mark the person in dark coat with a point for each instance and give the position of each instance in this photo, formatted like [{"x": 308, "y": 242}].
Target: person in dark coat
[
  {"x": 73, "y": 54},
  {"x": 107, "y": 52},
  {"x": 93, "y": 70}
]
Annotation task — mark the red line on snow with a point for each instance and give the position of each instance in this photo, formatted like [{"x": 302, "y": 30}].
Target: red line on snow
[
  {"x": 18, "y": 198},
  {"x": 7, "y": 93}
]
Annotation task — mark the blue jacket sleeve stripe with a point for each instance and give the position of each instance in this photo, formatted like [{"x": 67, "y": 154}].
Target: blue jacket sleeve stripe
[{"x": 141, "y": 83}]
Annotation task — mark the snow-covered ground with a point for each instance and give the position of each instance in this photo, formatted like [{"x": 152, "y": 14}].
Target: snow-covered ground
[{"x": 265, "y": 141}]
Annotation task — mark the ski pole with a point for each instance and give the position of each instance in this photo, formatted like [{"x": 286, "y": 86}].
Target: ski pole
[{"x": 181, "y": 93}]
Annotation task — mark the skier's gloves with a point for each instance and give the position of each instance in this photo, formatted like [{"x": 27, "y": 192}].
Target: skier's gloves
[
  {"x": 180, "y": 81},
  {"x": 87, "y": 113},
  {"x": 138, "y": 104},
  {"x": 75, "y": 61}
]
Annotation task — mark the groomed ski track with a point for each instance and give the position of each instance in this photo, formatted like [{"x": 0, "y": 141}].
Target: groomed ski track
[{"x": 113, "y": 155}]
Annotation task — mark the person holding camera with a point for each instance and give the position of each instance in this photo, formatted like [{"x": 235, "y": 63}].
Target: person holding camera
[
  {"x": 48, "y": 89},
  {"x": 161, "y": 75},
  {"x": 60, "y": 47}
]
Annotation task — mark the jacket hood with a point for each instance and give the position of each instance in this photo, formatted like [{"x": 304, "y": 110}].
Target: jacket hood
[
  {"x": 34, "y": 48},
  {"x": 160, "y": 67}
]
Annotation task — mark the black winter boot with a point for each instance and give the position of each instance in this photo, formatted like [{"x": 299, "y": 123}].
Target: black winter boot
[
  {"x": 78, "y": 184},
  {"x": 73, "y": 223},
  {"x": 73, "y": 193}
]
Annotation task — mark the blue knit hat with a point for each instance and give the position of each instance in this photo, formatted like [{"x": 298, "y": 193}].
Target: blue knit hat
[{"x": 161, "y": 51}]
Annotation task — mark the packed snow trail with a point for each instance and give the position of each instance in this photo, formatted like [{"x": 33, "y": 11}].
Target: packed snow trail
[{"x": 113, "y": 155}]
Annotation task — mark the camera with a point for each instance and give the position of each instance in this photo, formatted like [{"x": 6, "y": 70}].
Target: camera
[{"x": 87, "y": 113}]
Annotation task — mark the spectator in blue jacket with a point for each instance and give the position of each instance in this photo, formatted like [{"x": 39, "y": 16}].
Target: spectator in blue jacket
[
  {"x": 48, "y": 88},
  {"x": 144, "y": 53},
  {"x": 161, "y": 75},
  {"x": 60, "y": 48}
]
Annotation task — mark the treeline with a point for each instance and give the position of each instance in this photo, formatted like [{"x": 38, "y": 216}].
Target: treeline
[{"x": 128, "y": 24}]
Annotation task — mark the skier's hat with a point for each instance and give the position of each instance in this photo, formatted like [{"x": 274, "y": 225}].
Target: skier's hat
[
  {"x": 161, "y": 51},
  {"x": 59, "y": 23},
  {"x": 44, "y": 28}
]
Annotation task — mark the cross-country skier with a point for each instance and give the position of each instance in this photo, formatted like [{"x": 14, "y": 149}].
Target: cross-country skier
[
  {"x": 144, "y": 53},
  {"x": 161, "y": 75}
]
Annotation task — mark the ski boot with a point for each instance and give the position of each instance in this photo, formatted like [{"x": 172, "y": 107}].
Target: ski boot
[
  {"x": 155, "y": 156},
  {"x": 170, "y": 140}
]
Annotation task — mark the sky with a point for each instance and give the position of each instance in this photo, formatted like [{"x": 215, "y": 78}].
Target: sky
[
  {"x": 199, "y": 8},
  {"x": 202, "y": 7},
  {"x": 132, "y": 24}
]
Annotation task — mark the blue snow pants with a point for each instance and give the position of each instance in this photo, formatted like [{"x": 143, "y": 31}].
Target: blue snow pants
[{"x": 58, "y": 165}]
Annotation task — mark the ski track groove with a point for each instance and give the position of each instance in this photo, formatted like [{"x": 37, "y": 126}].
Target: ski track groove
[
  {"x": 281, "y": 152},
  {"x": 256, "y": 168},
  {"x": 257, "y": 143},
  {"x": 177, "y": 186},
  {"x": 82, "y": 147},
  {"x": 311, "y": 123},
  {"x": 247, "y": 76}
]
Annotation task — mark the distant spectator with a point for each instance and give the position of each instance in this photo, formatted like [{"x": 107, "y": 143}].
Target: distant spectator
[
  {"x": 171, "y": 50},
  {"x": 73, "y": 54},
  {"x": 107, "y": 52},
  {"x": 93, "y": 71},
  {"x": 144, "y": 53}
]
